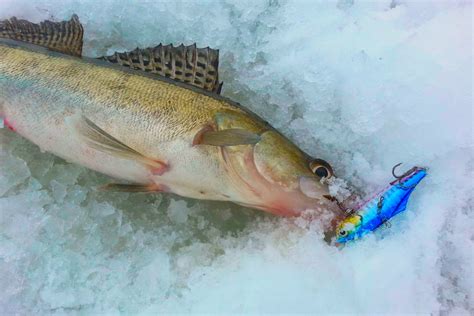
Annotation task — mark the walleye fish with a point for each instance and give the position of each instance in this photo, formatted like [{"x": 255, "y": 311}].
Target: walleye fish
[{"x": 153, "y": 118}]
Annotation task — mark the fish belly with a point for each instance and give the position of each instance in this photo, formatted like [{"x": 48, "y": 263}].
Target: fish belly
[
  {"x": 47, "y": 121},
  {"x": 44, "y": 100}
]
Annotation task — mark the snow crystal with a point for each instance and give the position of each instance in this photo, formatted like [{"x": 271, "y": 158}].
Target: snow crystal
[
  {"x": 178, "y": 211},
  {"x": 13, "y": 171},
  {"x": 363, "y": 85}
]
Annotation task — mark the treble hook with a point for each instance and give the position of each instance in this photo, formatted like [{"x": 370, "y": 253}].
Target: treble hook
[
  {"x": 400, "y": 178},
  {"x": 393, "y": 171}
]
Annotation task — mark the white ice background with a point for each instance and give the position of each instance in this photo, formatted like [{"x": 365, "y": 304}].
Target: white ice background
[{"x": 363, "y": 85}]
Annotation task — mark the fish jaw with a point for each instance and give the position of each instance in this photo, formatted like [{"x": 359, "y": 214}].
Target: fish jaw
[
  {"x": 38, "y": 105},
  {"x": 378, "y": 210},
  {"x": 277, "y": 201},
  {"x": 261, "y": 188}
]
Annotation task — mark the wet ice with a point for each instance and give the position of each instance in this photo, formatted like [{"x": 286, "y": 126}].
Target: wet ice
[{"x": 363, "y": 86}]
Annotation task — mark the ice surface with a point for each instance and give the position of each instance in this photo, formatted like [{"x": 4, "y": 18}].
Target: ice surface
[{"x": 361, "y": 85}]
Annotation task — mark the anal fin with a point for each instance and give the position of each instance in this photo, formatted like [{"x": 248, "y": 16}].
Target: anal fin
[{"x": 123, "y": 187}]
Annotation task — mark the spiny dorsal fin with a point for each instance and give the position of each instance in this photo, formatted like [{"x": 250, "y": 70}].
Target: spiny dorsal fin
[
  {"x": 188, "y": 64},
  {"x": 65, "y": 37}
]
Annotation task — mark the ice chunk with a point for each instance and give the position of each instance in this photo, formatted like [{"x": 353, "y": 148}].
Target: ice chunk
[
  {"x": 102, "y": 209},
  {"x": 13, "y": 171},
  {"x": 59, "y": 190},
  {"x": 178, "y": 211},
  {"x": 363, "y": 85}
]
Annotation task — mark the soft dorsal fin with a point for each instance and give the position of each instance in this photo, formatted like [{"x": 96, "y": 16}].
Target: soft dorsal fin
[
  {"x": 65, "y": 37},
  {"x": 188, "y": 64}
]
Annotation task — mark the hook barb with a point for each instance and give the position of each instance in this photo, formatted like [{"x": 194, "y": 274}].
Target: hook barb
[
  {"x": 393, "y": 171},
  {"x": 400, "y": 178}
]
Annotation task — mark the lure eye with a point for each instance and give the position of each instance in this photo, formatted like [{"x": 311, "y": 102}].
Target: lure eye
[
  {"x": 342, "y": 233},
  {"x": 321, "y": 168}
]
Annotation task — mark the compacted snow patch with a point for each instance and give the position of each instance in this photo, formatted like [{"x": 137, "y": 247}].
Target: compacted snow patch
[{"x": 363, "y": 86}]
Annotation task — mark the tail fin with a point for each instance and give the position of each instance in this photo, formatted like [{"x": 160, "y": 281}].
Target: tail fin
[{"x": 65, "y": 37}]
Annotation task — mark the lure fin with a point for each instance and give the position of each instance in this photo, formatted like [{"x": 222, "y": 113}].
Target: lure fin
[
  {"x": 122, "y": 187},
  {"x": 189, "y": 64},
  {"x": 228, "y": 137},
  {"x": 64, "y": 37},
  {"x": 100, "y": 140}
]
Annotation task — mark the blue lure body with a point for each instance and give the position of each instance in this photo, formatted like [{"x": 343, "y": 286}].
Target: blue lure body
[{"x": 381, "y": 208}]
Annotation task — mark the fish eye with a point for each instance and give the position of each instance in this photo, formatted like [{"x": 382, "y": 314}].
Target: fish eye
[
  {"x": 321, "y": 168},
  {"x": 321, "y": 172}
]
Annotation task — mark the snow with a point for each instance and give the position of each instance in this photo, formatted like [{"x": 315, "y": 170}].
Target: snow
[{"x": 363, "y": 85}]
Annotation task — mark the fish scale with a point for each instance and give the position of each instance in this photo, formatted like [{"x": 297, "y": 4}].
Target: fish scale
[
  {"x": 178, "y": 111},
  {"x": 155, "y": 132}
]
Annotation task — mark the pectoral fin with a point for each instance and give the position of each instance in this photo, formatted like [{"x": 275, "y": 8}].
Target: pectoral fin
[
  {"x": 228, "y": 137},
  {"x": 100, "y": 140}
]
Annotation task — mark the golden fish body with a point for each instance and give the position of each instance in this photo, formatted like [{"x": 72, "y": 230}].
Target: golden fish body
[{"x": 45, "y": 95}]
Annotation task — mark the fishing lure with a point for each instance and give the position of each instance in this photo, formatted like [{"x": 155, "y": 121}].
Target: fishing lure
[{"x": 381, "y": 208}]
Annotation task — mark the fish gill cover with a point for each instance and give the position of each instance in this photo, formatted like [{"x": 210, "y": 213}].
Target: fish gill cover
[{"x": 371, "y": 83}]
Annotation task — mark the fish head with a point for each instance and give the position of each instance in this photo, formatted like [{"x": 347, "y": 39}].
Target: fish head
[
  {"x": 287, "y": 180},
  {"x": 272, "y": 173}
]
